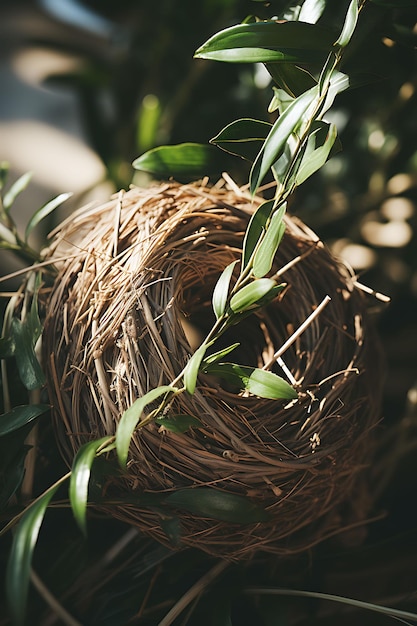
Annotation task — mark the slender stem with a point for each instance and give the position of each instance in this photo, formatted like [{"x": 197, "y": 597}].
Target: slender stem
[
  {"x": 53, "y": 603},
  {"x": 192, "y": 593},
  {"x": 327, "y": 596},
  {"x": 333, "y": 60},
  {"x": 17, "y": 517},
  {"x": 26, "y": 488}
]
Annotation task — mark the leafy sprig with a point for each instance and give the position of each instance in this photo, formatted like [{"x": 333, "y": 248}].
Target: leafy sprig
[{"x": 10, "y": 238}]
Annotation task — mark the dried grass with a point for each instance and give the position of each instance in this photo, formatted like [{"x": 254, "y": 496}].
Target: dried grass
[{"x": 133, "y": 294}]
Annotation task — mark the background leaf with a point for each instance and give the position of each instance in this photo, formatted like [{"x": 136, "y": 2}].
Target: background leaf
[
  {"x": 20, "y": 416},
  {"x": 20, "y": 559},
  {"x": 30, "y": 371},
  {"x": 33, "y": 321},
  {"x": 18, "y": 186},
  {"x": 219, "y": 505},
  {"x": 4, "y": 172},
  {"x": 12, "y": 475},
  {"x": 44, "y": 211},
  {"x": 7, "y": 347},
  {"x": 179, "y": 423},
  {"x": 243, "y": 137},
  {"x": 291, "y": 78},
  {"x": 189, "y": 160},
  {"x": 172, "y": 528}
]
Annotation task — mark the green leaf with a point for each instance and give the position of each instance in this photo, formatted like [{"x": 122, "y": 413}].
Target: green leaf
[
  {"x": 271, "y": 295},
  {"x": 149, "y": 120},
  {"x": 7, "y": 347},
  {"x": 18, "y": 186},
  {"x": 7, "y": 239},
  {"x": 221, "y": 290},
  {"x": 219, "y": 505},
  {"x": 80, "y": 478},
  {"x": 30, "y": 371},
  {"x": 284, "y": 165},
  {"x": 22, "y": 341},
  {"x": 319, "y": 146},
  {"x": 4, "y": 171},
  {"x": 262, "y": 302},
  {"x": 349, "y": 25},
  {"x": 291, "y": 78},
  {"x": 20, "y": 559},
  {"x": 242, "y": 138},
  {"x": 251, "y": 294},
  {"x": 190, "y": 160},
  {"x": 269, "y": 385},
  {"x": 281, "y": 100},
  {"x": 255, "y": 229},
  {"x": 178, "y": 423},
  {"x": 338, "y": 82},
  {"x": 45, "y": 210},
  {"x": 266, "y": 251},
  {"x": 275, "y": 143},
  {"x": 20, "y": 416},
  {"x": 11, "y": 478},
  {"x": 258, "y": 382},
  {"x": 220, "y": 354},
  {"x": 266, "y": 42},
  {"x": 193, "y": 367},
  {"x": 131, "y": 417},
  {"x": 172, "y": 528},
  {"x": 33, "y": 321},
  {"x": 311, "y": 11}
]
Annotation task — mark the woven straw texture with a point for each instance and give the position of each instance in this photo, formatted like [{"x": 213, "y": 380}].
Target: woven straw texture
[{"x": 130, "y": 304}]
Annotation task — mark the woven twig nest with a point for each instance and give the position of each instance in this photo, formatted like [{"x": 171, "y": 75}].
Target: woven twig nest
[{"x": 139, "y": 274}]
